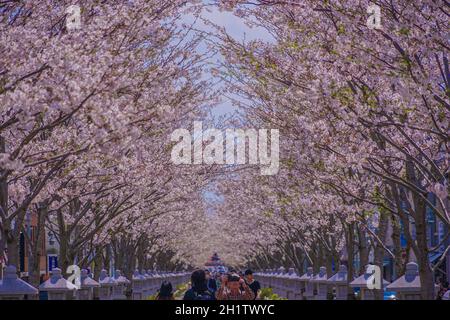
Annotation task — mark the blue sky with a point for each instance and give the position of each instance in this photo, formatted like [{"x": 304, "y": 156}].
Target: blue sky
[{"x": 237, "y": 29}]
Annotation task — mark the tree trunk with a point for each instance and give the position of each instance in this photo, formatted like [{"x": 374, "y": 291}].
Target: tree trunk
[
  {"x": 398, "y": 265},
  {"x": 425, "y": 271},
  {"x": 63, "y": 254},
  {"x": 329, "y": 264},
  {"x": 12, "y": 245},
  {"x": 3, "y": 200},
  {"x": 379, "y": 251},
  {"x": 320, "y": 258},
  {"x": 421, "y": 247},
  {"x": 363, "y": 250},
  {"x": 107, "y": 258},
  {"x": 351, "y": 254},
  {"x": 37, "y": 253},
  {"x": 98, "y": 259}
]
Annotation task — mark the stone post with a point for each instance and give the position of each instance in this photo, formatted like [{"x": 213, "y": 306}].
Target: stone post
[
  {"x": 86, "y": 291},
  {"x": 363, "y": 281},
  {"x": 13, "y": 288},
  {"x": 339, "y": 281},
  {"x": 57, "y": 287},
  {"x": 308, "y": 286},
  {"x": 278, "y": 282},
  {"x": 408, "y": 286},
  {"x": 291, "y": 279},
  {"x": 320, "y": 284},
  {"x": 119, "y": 290},
  {"x": 106, "y": 285},
  {"x": 137, "y": 284}
]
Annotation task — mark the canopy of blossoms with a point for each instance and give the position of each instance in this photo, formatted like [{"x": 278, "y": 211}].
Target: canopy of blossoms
[{"x": 363, "y": 113}]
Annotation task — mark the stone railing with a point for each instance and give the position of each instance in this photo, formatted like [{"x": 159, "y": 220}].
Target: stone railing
[
  {"x": 310, "y": 286},
  {"x": 143, "y": 285}
]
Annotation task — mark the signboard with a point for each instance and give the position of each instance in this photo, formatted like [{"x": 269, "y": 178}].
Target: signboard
[{"x": 52, "y": 262}]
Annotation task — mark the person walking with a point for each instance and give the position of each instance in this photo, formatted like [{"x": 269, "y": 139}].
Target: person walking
[
  {"x": 217, "y": 278},
  {"x": 210, "y": 282},
  {"x": 252, "y": 283},
  {"x": 165, "y": 292},
  {"x": 234, "y": 288},
  {"x": 199, "y": 288}
]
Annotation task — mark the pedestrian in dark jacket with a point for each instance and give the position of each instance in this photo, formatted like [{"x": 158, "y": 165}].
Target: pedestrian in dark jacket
[
  {"x": 210, "y": 282},
  {"x": 165, "y": 292},
  {"x": 199, "y": 288}
]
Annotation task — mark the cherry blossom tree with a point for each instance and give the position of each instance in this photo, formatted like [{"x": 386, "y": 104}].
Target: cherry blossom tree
[
  {"x": 363, "y": 113},
  {"x": 87, "y": 115}
]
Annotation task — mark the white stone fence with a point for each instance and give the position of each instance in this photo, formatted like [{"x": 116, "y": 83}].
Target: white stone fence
[
  {"x": 310, "y": 286},
  {"x": 143, "y": 285}
]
